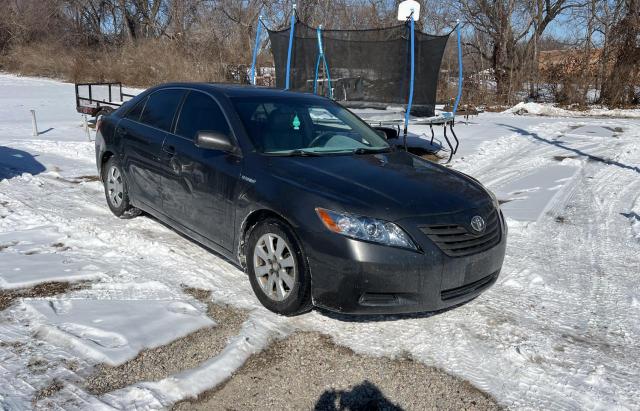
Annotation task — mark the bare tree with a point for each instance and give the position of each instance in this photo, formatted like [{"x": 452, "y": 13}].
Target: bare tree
[
  {"x": 504, "y": 39},
  {"x": 513, "y": 28}
]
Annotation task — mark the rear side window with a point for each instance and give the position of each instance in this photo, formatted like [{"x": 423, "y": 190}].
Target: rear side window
[
  {"x": 136, "y": 111},
  {"x": 161, "y": 107},
  {"x": 201, "y": 113}
]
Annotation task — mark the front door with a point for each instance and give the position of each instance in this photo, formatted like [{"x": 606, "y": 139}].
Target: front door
[{"x": 202, "y": 185}]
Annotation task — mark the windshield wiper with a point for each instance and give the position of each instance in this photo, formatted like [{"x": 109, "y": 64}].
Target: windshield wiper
[
  {"x": 301, "y": 153},
  {"x": 367, "y": 150}
]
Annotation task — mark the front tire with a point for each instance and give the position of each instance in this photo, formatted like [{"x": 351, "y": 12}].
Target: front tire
[
  {"x": 277, "y": 269},
  {"x": 116, "y": 191}
]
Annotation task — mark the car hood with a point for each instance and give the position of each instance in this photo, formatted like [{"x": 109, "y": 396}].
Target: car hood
[{"x": 388, "y": 185}]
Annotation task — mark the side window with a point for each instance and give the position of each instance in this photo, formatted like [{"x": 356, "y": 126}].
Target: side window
[
  {"x": 161, "y": 108},
  {"x": 200, "y": 113},
  {"x": 136, "y": 111}
]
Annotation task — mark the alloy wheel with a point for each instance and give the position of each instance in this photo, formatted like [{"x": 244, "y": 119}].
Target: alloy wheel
[
  {"x": 274, "y": 266},
  {"x": 115, "y": 186}
]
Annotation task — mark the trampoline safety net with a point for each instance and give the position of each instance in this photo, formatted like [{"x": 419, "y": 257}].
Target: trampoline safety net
[{"x": 367, "y": 68}]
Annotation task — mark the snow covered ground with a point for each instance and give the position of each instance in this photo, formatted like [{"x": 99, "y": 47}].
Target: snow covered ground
[
  {"x": 551, "y": 110},
  {"x": 559, "y": 330}
]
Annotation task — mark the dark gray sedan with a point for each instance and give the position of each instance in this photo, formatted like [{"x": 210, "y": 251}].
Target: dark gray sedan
[{"x": 313, "y": 203}]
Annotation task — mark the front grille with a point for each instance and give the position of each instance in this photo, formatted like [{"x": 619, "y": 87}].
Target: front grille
[
  {"x": 458, "y": 241},
  {"x": 469, "y": 288}
]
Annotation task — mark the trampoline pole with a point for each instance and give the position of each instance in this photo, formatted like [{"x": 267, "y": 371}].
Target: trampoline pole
[
  {"x": 460, "y": 76},
  {"x": 324, "y": 61},
  {"x": 315, "y": 79},
  {"x": 326, "y": 69},
  {"x": 320, "y": 56},
  {"x": 410, "y": 102},
  {"x": 292, "y": 30},
  {"x": 255, "y": 51}
]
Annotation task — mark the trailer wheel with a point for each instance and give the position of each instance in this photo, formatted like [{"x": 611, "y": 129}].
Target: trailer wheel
[{"x": 104, "y": 111}]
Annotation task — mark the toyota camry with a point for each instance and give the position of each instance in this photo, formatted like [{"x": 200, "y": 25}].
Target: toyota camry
[{"x": 315, "y": 205}]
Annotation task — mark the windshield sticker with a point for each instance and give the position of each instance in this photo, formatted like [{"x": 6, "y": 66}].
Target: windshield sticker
[{"x": 296, "y": 123}]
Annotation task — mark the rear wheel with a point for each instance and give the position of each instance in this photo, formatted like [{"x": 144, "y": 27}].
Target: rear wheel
[
  {"x": 277, "y": 269},
  {"x": 115, "y": 189}
]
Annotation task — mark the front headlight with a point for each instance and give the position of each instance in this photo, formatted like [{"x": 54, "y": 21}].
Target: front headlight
[{"x": 365, "y": 228}]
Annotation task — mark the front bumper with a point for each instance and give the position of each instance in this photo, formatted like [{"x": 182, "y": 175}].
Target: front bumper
[{"x": 356, "y": 277}]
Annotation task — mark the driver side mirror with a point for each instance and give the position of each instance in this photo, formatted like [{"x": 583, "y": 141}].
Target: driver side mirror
[{"x": 212, "y": 140}]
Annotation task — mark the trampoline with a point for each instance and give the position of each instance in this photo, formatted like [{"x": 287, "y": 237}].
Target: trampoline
[{"x": 395, "y": 66}]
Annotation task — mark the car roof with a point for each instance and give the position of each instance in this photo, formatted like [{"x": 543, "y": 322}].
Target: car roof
[{"x": 240, "y": 90}]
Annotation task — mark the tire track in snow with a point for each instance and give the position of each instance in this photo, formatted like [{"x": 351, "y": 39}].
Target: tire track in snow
[{"x": 568, "y": 254}]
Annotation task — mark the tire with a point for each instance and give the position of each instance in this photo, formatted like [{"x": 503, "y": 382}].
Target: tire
[
  {"x": 115, "y": 190},
  {"x": 289, "y": 293}
]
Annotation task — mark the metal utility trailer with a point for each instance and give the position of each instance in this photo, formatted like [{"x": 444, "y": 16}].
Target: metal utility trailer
[{"x": 99, "y": 98}]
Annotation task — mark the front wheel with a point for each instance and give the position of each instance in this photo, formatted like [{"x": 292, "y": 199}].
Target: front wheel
[
  {"x": 115, "y": 189},
  {"x": 277, "y": 269}
]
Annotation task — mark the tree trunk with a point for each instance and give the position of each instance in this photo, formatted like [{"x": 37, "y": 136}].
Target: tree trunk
[{"x": 619, "y": 88}]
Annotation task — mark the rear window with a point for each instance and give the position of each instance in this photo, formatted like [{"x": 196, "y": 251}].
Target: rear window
[
  {"x": 136, "y": 111},
  {"x": 161, "y": 108}
]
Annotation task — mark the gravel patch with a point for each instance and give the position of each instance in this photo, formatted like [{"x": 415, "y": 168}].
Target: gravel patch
[
  {"x": 48, "y": 391},
  {"x": 308, "y": 371},
  {"x": 182, "y": 354},
  {"x": 7, "y": 297}
]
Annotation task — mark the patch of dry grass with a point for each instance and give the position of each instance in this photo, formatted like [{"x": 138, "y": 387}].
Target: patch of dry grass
[{"x": 140, "y": 64}]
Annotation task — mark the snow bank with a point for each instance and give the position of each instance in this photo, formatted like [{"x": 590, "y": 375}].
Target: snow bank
[
  {"x": 261, "y": 328},
  {"x": 114, "y": 331},
  {"x": 19, "y": 271},
  {"x": 35, "y": 256},
  {"x": 551, "y": 111}
]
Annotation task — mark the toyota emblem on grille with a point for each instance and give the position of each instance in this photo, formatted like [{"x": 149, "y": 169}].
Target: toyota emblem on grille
[{"x": 478, "y": 224}]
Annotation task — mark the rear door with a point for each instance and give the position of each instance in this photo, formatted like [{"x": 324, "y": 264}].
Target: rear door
[
  {"x": 203, "y": 182},
  {"x": 142, "y": 132}
]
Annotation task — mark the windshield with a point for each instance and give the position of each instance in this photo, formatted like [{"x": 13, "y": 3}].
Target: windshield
[{"x": 299, "y": 126}]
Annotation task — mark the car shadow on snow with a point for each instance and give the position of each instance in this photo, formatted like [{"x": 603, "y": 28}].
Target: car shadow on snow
[
  {"x": 191, "y": 240},
  {"x": 418, "y": 144},
  {"x": 364, "y": 396},
  {"x": 14, "y": 163}
]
